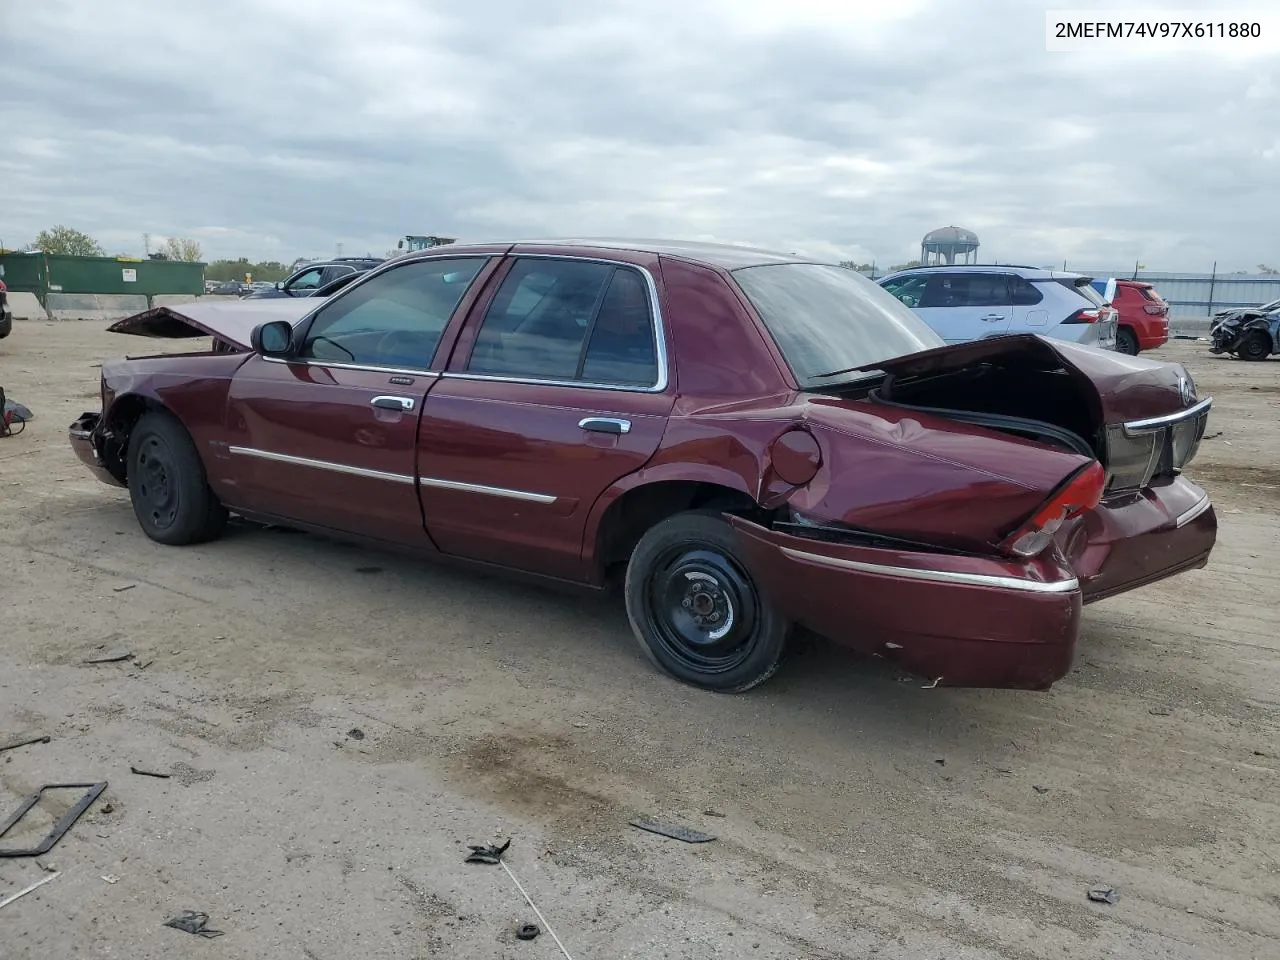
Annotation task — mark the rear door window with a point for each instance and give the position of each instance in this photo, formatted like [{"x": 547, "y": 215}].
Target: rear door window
[
  {"x": 967, "y": 290},
  {"x": 569, "y": 321}
]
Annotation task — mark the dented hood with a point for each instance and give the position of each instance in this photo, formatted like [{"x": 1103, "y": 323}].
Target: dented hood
[
  {"x": 231, "y": 321},
  {"x": 1125, "y": 387}
]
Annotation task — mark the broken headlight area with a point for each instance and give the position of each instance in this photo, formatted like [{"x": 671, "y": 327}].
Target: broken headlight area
[{"x": 1140, "y": 451}]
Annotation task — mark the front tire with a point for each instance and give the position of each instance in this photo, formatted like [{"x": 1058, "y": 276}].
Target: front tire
[
  {"x": 1127, "y": 341},
  {"x": 1256, "y": 346},
  {"x": 167, "y": 484},
  {"x": 696, "y": 610}
]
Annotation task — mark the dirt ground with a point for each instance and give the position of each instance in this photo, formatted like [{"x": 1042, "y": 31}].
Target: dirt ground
[{"x": 857, "y": 815}]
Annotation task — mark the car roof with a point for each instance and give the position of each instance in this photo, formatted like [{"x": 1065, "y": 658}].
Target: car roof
[
  {"x": 723, "y": 255},
  {"x": 1027, "y": 273}
]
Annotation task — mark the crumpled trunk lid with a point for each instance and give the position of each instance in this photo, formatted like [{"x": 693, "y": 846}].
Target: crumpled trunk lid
[
  {"x": 1113, "y": 387},
  {"x": 230, "y": 322}
]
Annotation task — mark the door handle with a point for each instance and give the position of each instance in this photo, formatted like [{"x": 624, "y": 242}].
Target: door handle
[
  {"x": 613, "y": 425},
  {"x": 392, "y": 403},
  {"x": 992, "y": 317}
]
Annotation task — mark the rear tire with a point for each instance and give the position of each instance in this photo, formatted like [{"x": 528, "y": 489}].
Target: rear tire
[
  {"x": 168, "y": 486},
  {"x": 1256, "y": 346},
  {"x": 1127, "y": 341},
  {"x": 696, "y": 610}
]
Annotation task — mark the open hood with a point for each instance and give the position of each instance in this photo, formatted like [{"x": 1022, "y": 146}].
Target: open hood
[
  {"x": 1117, "y": 386},
  {"x": 229, "y": 321}
]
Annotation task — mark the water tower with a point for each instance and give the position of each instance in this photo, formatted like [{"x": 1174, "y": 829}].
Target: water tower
[{"x": 949, "y": 245}]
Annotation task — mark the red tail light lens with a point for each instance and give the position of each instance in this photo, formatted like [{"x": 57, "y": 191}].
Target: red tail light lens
[
  {"x": 1084, "y": 316},
  {"x": 1080, "y": 494},
  {"x": 1155, "y": 309}
]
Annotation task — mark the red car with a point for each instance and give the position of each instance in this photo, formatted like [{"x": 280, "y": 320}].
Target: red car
[
  {"x": 748, "y": 441},
  {"x": 1144, "y": 317}
]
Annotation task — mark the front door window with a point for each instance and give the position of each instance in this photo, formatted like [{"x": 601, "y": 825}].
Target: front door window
[{"x": 394, "y": 319}]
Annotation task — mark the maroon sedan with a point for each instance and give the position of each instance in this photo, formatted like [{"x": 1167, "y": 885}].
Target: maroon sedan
[{"x": 749, "y": 441}]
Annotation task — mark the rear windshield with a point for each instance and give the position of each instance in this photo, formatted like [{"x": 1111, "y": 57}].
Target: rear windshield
[
  {"x": 827, "y": 319},
  {"x": 1149, "y": 293},
  {"x": 1084, "y": 287}
]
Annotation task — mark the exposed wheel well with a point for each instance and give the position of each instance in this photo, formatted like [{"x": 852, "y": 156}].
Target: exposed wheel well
[
  {"x": 125, "y": 412},
  {"x": 633, "y": 513}
]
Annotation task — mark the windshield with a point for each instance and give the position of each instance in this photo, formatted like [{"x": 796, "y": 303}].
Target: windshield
[{"x": 826, "y": 318}]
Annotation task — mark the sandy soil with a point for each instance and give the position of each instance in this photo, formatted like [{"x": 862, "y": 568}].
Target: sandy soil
[{"x": 858, "y": 815}]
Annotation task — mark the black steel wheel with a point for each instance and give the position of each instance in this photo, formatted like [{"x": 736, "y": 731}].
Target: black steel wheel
[
  {"x": 1127, "y": 341},
  {"x": 696, "y": 610},
  {"x": 167, "y": 484},
  {"x": 1255, "y": 346}
]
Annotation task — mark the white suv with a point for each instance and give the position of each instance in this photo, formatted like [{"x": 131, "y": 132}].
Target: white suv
[{"x": 965, "y": 303}]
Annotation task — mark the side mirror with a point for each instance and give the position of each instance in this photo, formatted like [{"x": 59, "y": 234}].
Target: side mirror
[
  {"x": 400, "y": 245},
  {"x": 272, "y": 339}
]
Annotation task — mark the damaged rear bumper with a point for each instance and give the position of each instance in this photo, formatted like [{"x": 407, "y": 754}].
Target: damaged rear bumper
[
  {"x": 82, "y": 435},
  {"x": 968, "y": 621}
]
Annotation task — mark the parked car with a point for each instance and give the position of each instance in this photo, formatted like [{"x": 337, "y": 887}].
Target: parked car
[
  {"x": 6, "y": 315},
  {"x": 976, "y": 302},
  {"x": 308, "y": 280},
  {"x": 1252, "y": 333},
  {"x": 1144, "y": 315},
  {"x": 229, "y": 288},
  {"x": 746, "y": 441}
]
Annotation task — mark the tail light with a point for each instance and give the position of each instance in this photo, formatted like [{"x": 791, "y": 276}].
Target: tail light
[
  {"x": 3, "y": 288},
  {"x": 1155, "y": 309},
  {"x": 1080, "y": 494},
  {"x": 1091, "y": 315}
]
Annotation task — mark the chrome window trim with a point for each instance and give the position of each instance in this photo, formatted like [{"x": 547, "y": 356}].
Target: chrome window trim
[
  {"x": 352, "y": 366},
  {"x": 938, "y": 576},
  {"x": 321, "y": 464},
  {"x": 1155, "y": 423},
  {"x": 657, "y": 323},
  {"x": 1202, "y": 505},
  {"x": 510, "y": 494}
]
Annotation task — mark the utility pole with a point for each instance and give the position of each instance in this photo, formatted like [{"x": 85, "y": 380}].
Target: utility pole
[
  {"x": 338, "y": 247},
  {"x": 146, "y": 243}
]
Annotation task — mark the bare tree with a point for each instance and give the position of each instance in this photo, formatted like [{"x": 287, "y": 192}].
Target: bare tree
[
  {"x": 68, "y": 241},
  {"x": 181, "y": 248}
]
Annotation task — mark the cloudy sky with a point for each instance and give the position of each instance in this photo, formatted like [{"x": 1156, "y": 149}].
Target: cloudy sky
[{"x": 280, "y": 128}]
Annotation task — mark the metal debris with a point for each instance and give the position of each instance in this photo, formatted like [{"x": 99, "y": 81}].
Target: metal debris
[
  {"x": 675, "y": 833},
  {"x": 193, "y": 921},
  {"x": 150, "y": 773},
  {"x": 1103, "y": 894},
  {"x": 93, "y": 791},
  {"x": 123, "y": 587},
  {"x": 27, "y": 889},
  {"x": 1039, "y": 789},
  {"x": 113, "y": 656},
  {"x": 528, "y": 931},
  {"x": 491, "y": 854},
  {"x": 24, "y": 743},
  {"x": 930, "y": 686}
]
